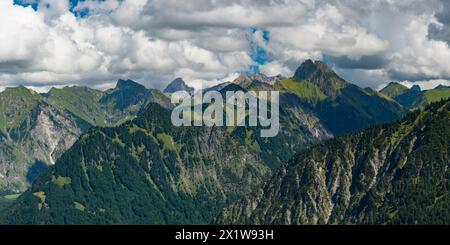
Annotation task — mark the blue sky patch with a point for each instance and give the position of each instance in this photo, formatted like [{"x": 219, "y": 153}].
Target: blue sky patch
[
  {"x": 73, "y": 4},
  {"x": 25, "y": 4},
  {"x": 258, "y": 53}
]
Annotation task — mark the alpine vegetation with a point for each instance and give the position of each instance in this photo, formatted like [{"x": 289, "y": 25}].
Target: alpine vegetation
[{"x": 207, "y": 109}]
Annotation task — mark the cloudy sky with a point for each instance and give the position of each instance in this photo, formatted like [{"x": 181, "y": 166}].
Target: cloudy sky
[{"x": 368, "y": 42}]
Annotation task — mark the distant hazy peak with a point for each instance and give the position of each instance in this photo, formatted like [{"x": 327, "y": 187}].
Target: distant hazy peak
[
  {"x": 17, "y": 88},
  {"x": 416, "y": 88},
  {"x": 394, "y": 89},
  {"x": 18, "y": 91},
  {"x": 245, "y": 78},
  {"x": 128, "y": 84},
  {"x": 396, "y": 84},
  {"x": 178, "y": 85},
  {"x": 440, "y": 87}
]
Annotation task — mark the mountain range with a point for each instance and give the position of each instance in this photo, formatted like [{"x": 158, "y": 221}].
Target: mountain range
[
  {"x": 146, "y": 171},
  {"x": 415, "y": 97},
  {"x": 35, "y": 129}
]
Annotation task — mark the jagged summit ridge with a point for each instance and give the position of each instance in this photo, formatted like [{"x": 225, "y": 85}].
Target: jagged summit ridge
[
  {"x": 121, "y": 84},
  {"x": 415, "y": 97},
  {"x": 178, "y": 85},
  {"x": 309, "y": 69},
  {"x": 320, "y": 74},
  {"x": 248, "y": 78}
]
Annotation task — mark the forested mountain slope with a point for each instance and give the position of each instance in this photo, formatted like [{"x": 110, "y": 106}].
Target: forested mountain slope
[
  {"x": 148, "y": 171},
  {"x": 396, "y": 173},
  {"x": 35, "y": 129}
]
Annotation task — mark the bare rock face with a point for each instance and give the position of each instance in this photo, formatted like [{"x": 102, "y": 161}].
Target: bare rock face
[
  {"x": 311, "y": 122},
  {"x": 42, "y": 138},
  {"x": 54, "y": 132},
  {"x": 248, "y": 78}
]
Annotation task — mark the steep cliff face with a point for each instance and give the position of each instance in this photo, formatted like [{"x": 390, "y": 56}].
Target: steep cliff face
[
  {"x": 38, "y": 141},
  {"x": 53, "y": 133},
  {"x": 396, "y": 173}
]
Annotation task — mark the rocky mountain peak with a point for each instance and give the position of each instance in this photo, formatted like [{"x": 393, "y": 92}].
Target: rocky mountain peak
[
  {"x": 310, "y": 69},
  {"x": 395, "y": 84},
  {"x": 126, "y": 94},
  {"x": 129, "y": 84},
  {"x": 394, "y": 89},
  {"x": 319, "y": 73},
  {"x": 440, "y": 86},
  {"x": 306, "y": 69},
  {"x": 178, "y": 85},
  {"x": 18, "y": 90},
  {"x": 248, "y": 78},
  {"x": 416, "y": 88}
]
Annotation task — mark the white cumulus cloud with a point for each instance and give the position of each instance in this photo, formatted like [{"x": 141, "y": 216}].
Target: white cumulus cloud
[{"x": 368, "y": 42}]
